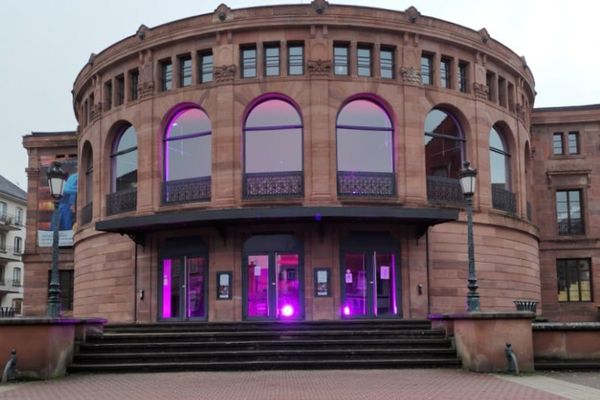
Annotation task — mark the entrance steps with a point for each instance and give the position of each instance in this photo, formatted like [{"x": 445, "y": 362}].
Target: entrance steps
[{"x": 265, "y": 346}]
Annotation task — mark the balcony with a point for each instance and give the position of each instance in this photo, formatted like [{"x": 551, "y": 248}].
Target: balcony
[
  {"x": 120, "y": 202},
  {"x": 186, "y": 190},
  {"x": 86, "y": 213},
  {"x": 444, "y": 191},
  {"x": 10, "y": 254},
  {"x": 7, "y": 286},
  {"x": 273, "y": 185},
  {"x": 571, "y": 226},
  {"x": 503, "y": 199},
  {"x": 10, "y": 223},
  {"x": 366, "y": 184}
]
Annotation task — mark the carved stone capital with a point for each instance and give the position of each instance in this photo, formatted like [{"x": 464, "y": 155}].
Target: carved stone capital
[
  {"x": 318, "y": 67},
  {"x": 410, "y": 76},
  {"x": 225, "y": 73},
  {"x": 481, "y": 91},
  {"x": 145, "y": 89}
]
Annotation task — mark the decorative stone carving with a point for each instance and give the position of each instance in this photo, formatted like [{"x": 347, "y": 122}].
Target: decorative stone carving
[
  {"x": 412, "y": 14},
  {"x": 485, "y": 36},
  {"x": 225, "y": 73},
  {"x": 142, "y": 31},
  {"x": 222, "y": 13},
  {"x": 145, "y": 89},
  {"x": 410, "y": 76},
  {"x": 482, "y": 91},
  {"x": 95, "y": 111},
  {"x": 319, "y": 6},
  {"x": 319, "y": 67}
]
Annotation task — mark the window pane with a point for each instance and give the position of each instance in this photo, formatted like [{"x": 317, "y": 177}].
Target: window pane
[
  {"x": 498, "y": 168},
  {"x": 496, "y": 141},
  {"x": 364, "y": 113},
  {"x": 386, "y": 60},
  {"x": 340, "y": 60},
  {"x": 274, "y": 150},
  {"x": 273, "y": 113},
  {"x": 426, "y": 73},
  {"x": 364, "y": 150},
  {"x": 126, "y": 171},
  {"x": 364, "y": 61},
  {"x": 557, "y": 145},
  {"x": 445, "y": 73},
  {"x": 206, "y": 72},
  {"x": 573, "y": 142},
  {"x": 128, "y": 140},
  {"x": 295, "y": 60},
  {"x": 249, "y": 63},
  {"x": 189, "y": 122},
  {"x": 185, "y": 73},
  {"x": 442, "y": 123},
  {"x": 188, "y": 158},
  {"x": 272, "y": 61},
  {"x": 167, "y": 75}
]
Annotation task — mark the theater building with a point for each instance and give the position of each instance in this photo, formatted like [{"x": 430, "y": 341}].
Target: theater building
[{"x": 301, "y": 162}]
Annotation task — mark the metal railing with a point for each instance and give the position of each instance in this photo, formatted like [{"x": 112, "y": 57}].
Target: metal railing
[
  {"x": 375, "y": 184},
  {"x": 123, "y": 201},
  {"x": 442, "y": 190},
  {"x": 86, "y": 213},
  {"x": 273, "y": 185},
  {"x": 186, "y": 190},
  {"x": 503, "y": 199}
]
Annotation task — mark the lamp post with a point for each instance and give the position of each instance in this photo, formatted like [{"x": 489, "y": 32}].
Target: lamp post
[
  {"x": 468, "y": 177},
  {"x": 56, "y": 182}
]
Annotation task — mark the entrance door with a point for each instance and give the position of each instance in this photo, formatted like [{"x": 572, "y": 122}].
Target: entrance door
[
  {"x": 370, "y": 277},
  {"x": 183, "y": 288},
  {"x": 273, "y": 286}
]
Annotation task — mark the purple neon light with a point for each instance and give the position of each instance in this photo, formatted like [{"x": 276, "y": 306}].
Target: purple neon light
[
  {"x": 166, "y": 294},
  {"x": 287, "y": 310},
  {"x": 346, "y": 310}
]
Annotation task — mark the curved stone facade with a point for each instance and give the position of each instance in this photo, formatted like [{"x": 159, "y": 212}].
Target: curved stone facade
[{"x": 318, "y": 59}]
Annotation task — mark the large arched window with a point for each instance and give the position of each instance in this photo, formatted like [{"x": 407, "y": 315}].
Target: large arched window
[
  {"x": 273, "y": 150},
  {"x": 88, "y": 183},
  {"x": 502, "y": 197},
  {"x": 124, "y": 172},
  {"x": 187, "y": 157},
  {"x": 365, "y": 150},
  {"x": 444, "y": 153}
]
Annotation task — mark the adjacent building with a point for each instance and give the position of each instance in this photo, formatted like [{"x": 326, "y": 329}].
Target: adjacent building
[
  {"x": 301, "y": 162},
  {"x": 13, "y": 211}
]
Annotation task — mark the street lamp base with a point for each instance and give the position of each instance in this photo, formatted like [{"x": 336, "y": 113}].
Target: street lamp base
[{"x": 473, "y": 302}]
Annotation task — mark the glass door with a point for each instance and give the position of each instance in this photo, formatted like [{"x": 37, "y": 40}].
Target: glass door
[
  {"x": 273, "y": 286},
  {"x": 369, "y": 285},
  {"x": 183, "y": 293}
]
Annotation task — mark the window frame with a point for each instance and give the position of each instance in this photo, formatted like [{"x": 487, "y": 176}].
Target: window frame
[
  {"x": 3, "y": 210},
  {"x": 574, "y": 134},
  {"x": 292, "y": 60},
  {"x": 559, "y": 136},
  {"x": 426, "y": 69},
  {"x": 17, "y": 278},
  {"x": 120, "y": 90},
  {"x": 248, "y": 63},
  {"x": 570, "y": 225},
  {"x": 186, "y": 74},
  {"x": 463, "y": 76},
  {"x": 505, "y": 153},
  {"x": 108, "y": 95},
  {"x": 114, "y": 154},
  {"x": 134, "y": 79},
  {"x": 364, "y": 63},
  {"x": 18, "y": 245},
  {"x": 166, "y": 75},
  {"x": 568, "y": 279},
  {"x": 446, "y": 72},
  {"x": 271, "y": 61},
  {"x": 341, "y": 60},
  {"x": 386, "y": 64},
  {"x": 205, "y": 68}
]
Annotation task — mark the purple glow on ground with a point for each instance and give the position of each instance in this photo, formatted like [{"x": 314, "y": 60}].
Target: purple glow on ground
[
  {"x": 287, "y": 310},
  {"x": 166, "y": 295}
]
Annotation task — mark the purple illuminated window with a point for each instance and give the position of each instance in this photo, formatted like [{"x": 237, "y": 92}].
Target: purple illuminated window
[
  {"x": 364, "y": 138},
  {"x": 124, "y": 157},
  {"x": 188, "y": 145},
  {"x": 444, "y": 145},
  {"x": 273, "y": 138}
]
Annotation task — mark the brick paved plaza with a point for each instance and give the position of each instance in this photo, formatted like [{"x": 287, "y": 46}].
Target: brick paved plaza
[{"x": 309, "y": 385}]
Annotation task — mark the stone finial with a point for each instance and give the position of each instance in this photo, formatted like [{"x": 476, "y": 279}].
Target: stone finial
[
  {"x": 92, "y": 58},
  {"x": 485, "y": 36},
  {"x": 320, "y": 6},
  {"x": 142, "y": 31},
  {"x": 412, "y": 14},
  {"x": 524, "y": 61},
  {"x": 222, "y": 13}
]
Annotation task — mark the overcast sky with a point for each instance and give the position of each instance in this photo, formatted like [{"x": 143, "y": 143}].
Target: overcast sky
[{"x": 45, "y": 43}]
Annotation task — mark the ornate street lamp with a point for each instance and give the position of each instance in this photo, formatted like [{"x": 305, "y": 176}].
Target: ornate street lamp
[
  {"x": 468, "y": 177},
  {"x": 56, "y": 182}
]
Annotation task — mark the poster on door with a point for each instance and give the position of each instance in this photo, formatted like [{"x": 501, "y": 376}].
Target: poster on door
[{"x": 66, "y": 207}]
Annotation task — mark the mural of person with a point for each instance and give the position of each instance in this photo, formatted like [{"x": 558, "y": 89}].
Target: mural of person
[{"x": 66, "y": 207}]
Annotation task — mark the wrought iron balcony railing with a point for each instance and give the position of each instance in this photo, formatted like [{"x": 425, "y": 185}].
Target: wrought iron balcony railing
[
  {"x": 503, "y": 199},
  {"x": 186, "y": 190},
  {"x": 273, "y": 185},
  {"x": 572, "y": 226},
  {"x": 371, "y": 184},
  {"x": 123, "y": 201},
  {"x": 442, "y": 190}
]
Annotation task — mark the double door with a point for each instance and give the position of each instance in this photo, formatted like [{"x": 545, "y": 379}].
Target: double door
[
  {"x": 273, "y": 286},
  {"x": 370, "y": 284},
  {"x": 183, "y": 288}
]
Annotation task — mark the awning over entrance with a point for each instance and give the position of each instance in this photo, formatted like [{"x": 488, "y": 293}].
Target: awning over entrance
[{"x": 421, "y": 217}]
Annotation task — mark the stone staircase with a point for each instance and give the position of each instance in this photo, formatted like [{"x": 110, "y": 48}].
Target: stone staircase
[{"x": 266, "y": 345}]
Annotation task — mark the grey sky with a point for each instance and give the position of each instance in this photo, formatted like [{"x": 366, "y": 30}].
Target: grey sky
[{"x": 44, "y": 44}]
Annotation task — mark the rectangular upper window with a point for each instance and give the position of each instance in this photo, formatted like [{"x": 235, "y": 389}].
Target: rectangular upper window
[
  {"x": 445, "y": 66},
  {"x": 166, "y": 75},
  {"x": 248, "y": 61},
  {"x": 574, "y": 279},
  {"x": 557, "y": 144},
  {"x": 363, "y": 60},
  {"x": 426, "y": 69},
  {"x": 108, "y": 94},
  {"x": 206, "y": 66},
  {"x": 569, "y": 212},
  {"x": 134, "y": 77},
  {"x": 19, "y": 216},
  {"x": 295, "y": 59},
  {"x": 185, "y": 71},
  {"x": 573, "y": 142},
  {"x": 341, "y": 54},
  {"x": 18, "y": 245},
  {"x": 386, "y": 62},
  {"x": 272, "y": 60},
  {"x": 463, "y": 71},
  {"x": 120, "y": 82},
  {"x": 3, "y": 210}
]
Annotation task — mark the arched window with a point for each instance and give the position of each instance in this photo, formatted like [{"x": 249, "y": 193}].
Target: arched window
[
  {"x": 502, "y": 198},
  {"x": 124, "y": 172},
  {"x": 365, "y": 155},
  {"x": 88, "y": 194},
  {"x": 187, "y": 157},
  {"x": 273, "y": 150},
  {"x": 444, "y": 154}
]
